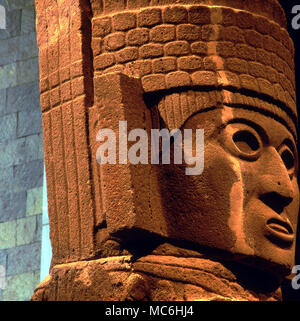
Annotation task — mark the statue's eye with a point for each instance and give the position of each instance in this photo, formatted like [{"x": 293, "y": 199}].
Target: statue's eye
[
  {"x": 242, "y": 141},
  {"x": 288, "y": 159},
  {"x": 246, "y": 141}
]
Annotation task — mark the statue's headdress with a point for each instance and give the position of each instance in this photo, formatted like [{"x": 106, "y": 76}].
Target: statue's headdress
[{"x": 231, "y": 52}]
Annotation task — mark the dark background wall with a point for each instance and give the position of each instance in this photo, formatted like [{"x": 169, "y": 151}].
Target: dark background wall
[{"x": 288, "y": 291}]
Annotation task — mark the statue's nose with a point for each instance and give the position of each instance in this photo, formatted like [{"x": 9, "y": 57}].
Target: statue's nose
[{"x": 275, "y": 186}]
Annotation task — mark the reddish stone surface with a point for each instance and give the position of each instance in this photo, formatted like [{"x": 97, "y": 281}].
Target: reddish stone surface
[{"x": 227, "y": 68}]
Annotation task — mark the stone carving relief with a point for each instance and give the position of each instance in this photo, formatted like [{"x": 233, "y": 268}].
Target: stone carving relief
[{"x": 149, "y": 231}]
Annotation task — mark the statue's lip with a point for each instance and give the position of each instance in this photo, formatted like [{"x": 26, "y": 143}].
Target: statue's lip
[{"x": 281, "y": 229}]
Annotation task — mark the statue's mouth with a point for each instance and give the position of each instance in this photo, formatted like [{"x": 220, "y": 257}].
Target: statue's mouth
[{"x": 280, "y": 229}]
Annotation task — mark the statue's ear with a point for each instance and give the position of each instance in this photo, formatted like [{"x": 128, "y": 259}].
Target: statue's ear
[{"x": 124, "y": 189}]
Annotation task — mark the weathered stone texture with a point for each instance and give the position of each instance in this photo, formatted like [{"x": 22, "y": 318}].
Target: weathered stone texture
[
  {"x": 21, "y": 151},
  {"x": 188, "y": 30},
  {"x": 30, "y": 123},
  {"x": 34, "y": 201},
  {"x": 23, "y": 258},
  {"x": 20, "y": 287},
  {"x": 8, "y": 235},
  {"x": 12, "y": 205},
  {"x": 183, "y": 61},
  {"x": 29, "y": 230},
  {"x": 151, "y": 278},
  {"x": 8, "y": 127}
]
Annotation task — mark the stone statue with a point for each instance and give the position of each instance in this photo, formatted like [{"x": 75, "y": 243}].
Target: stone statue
[{"x": 145, "y": 231}]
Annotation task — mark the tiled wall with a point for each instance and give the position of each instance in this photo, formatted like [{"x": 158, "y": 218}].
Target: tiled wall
[{"x": 21, "y": 153}]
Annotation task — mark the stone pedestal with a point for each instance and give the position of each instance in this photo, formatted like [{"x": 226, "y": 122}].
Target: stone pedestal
[{"x": 152, "y": 278}]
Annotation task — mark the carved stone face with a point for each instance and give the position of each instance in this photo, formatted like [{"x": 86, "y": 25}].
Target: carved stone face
[{"x": 247, "y": 199}]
